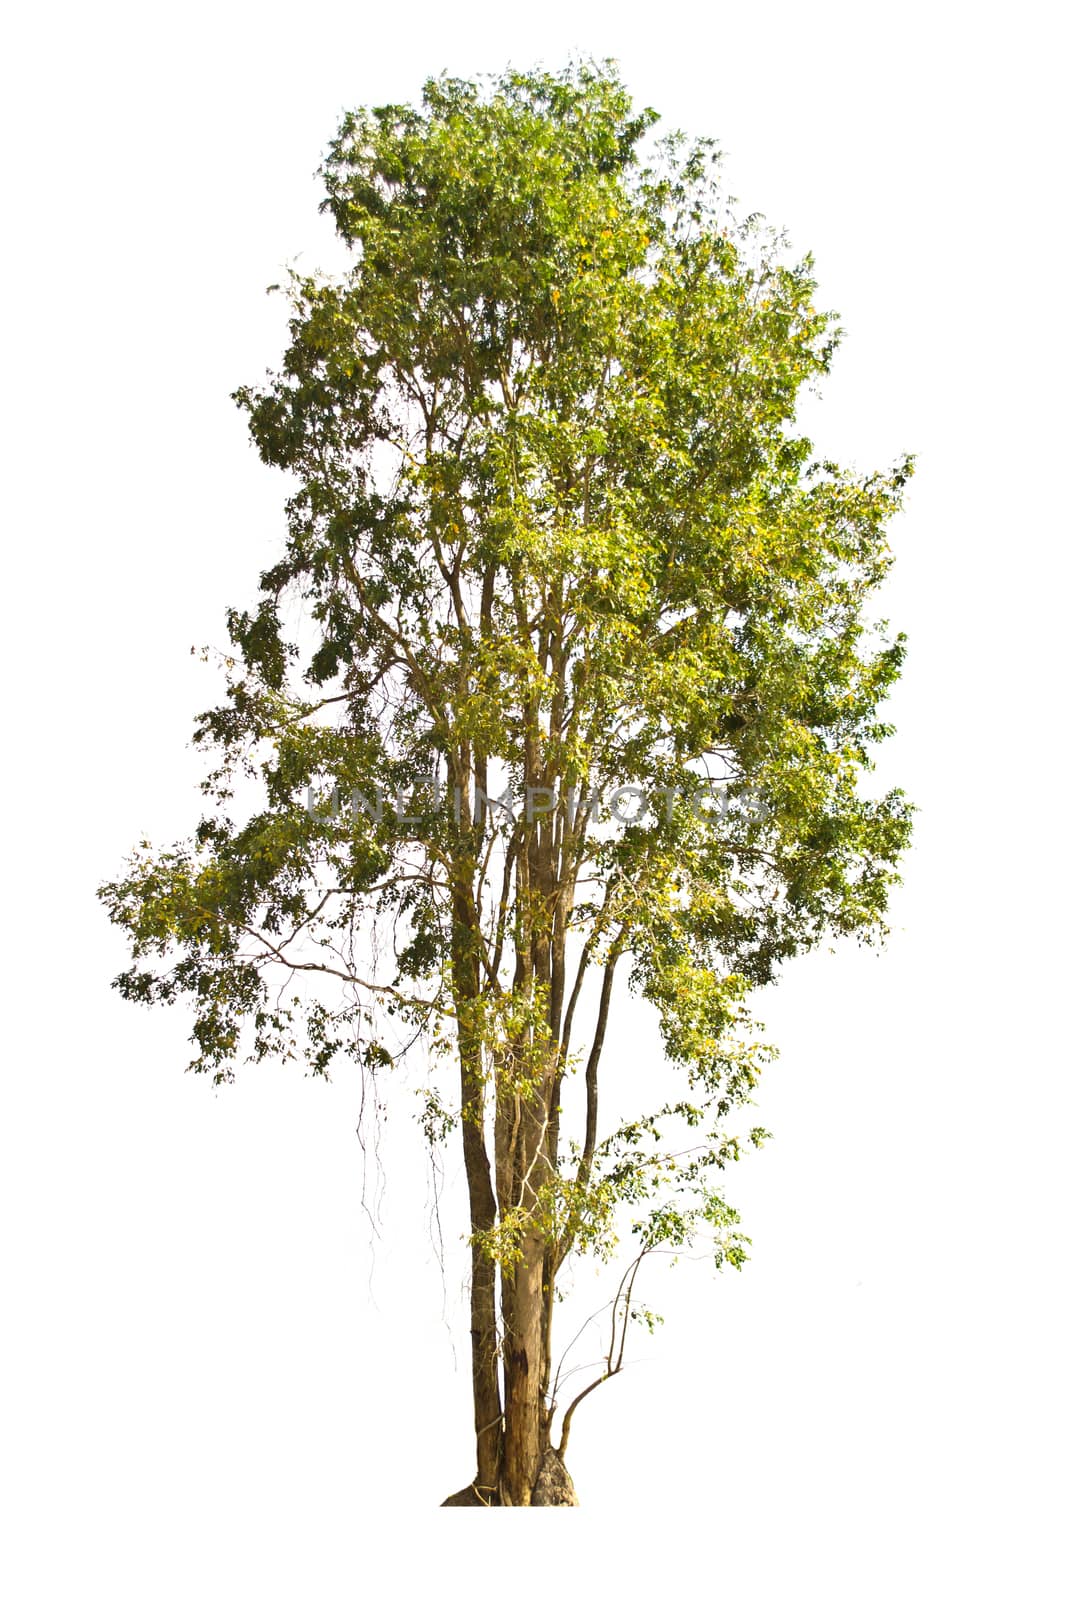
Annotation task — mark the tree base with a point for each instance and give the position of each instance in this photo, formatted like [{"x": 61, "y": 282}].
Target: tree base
[{"x": 554, "y": 1487}]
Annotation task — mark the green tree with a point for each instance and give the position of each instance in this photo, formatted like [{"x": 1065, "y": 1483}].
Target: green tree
[{"x": 554, "y": 540}]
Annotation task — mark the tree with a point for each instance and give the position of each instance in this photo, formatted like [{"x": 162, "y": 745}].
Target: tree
[{"x": 561, "y": 568}]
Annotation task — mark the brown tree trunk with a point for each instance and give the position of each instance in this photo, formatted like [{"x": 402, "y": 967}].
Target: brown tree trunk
[
  {"x": 522, "y": 1375},
  {"x": 488, "y": 1418},
  {"x": 553, "y": 1487},
  {"x": 517, "y": 1465}
]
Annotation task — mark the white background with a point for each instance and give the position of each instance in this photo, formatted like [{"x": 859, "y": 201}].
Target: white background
[{"x": 217, "y": 1381}]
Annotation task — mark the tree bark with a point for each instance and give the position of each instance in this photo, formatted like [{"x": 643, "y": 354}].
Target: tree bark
[
  {"x": 522, "y": 1375},
  {"x": 516, "y": 1463},
  {"x": 552, "y": 1487},
  {"x": 488, "y": 1419}
]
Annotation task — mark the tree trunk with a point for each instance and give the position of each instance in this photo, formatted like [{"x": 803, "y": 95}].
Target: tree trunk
[
  {"x": 522, "y": 1375},
  {"x": 552, "y": 1487},
  {"x": 531, "y": 1472},
  {"x": 516, "y": 1464},
  {"x": 488, "y": 1418}
]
